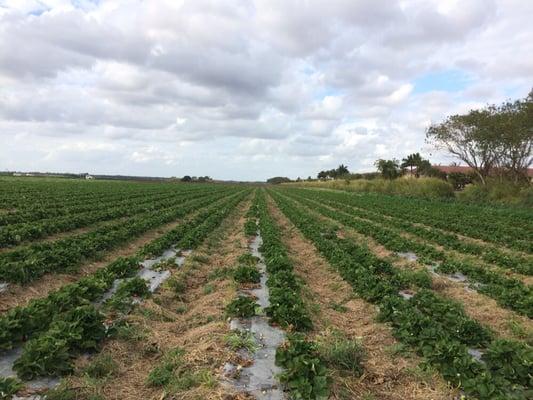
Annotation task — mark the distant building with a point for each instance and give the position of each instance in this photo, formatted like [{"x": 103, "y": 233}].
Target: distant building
[
  {"x": 450, "y": 169},
  {"x": 89, "y": 177}
]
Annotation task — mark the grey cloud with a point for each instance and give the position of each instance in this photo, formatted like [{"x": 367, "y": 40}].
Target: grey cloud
[{"x": 262, "y": 87}]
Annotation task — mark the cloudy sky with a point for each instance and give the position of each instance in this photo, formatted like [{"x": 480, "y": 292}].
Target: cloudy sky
[{"x": 247, "y": 89}]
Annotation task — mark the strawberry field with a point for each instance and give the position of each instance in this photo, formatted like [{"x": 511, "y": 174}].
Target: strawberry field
[{"x": 158, "y": 290}]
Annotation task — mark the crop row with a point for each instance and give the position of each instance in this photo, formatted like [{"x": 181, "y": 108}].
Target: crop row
[
  {"x": 28, "y": 192},
  {"x": 56, "y": 193},
  {"x": 286, "y": 306},
  {"x": 67, "y": 321},
  {"x": 17, "y": 233},
  {"x": 476, "y": 222},
  {"x": 304, "y": 374},
  {"x": 28, "y": 263},
  {"x": 436, "y": 327},
  {"x": 59, "y": 208},
  {"x": 448, "y": 240},
  {"x": 508, "y": 292}
]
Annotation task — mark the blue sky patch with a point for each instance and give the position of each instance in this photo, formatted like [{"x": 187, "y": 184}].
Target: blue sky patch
[{"x": 452, "y": 80}]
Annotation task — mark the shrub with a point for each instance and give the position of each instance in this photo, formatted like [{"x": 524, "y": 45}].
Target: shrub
[
  {"x": 422, "y": 187},
  {"x": 495, "y": 191},
  {"x": 459, "y": 180}
]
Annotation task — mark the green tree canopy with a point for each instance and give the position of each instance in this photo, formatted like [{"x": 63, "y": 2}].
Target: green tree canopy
[
  {"x": 412, "y": 160},
  {"x": 496, "y": 138},
  {"x": 389, "y": 169},
  {"x": 278, "y": 179}
]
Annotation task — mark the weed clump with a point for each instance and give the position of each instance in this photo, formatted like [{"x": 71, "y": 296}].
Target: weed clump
[
  {"x": 342, "y": 353},
  {"x": 238, "y": 339},
  {"x": 103, "y": 366},
  {"x": 175, "y": 376}
]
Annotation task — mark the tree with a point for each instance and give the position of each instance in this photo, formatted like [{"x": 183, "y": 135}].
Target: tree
[
  {"x": 334, "y": 173},
  {"x": 389, "y": 169},
  {"x": 341, "y": 170},
  {"x": 459, "y": 180},
  {"x": 494, "y": 139},
  {"x": 278, "y": 179},
  {"x": 470, "y": 137},
  {"x": 322, "y": 175},
  {"x": 426, "y": 169},
  {"x": 514, "y": 127},
  {"x": 186, "y": 178},
  {"x": 413, "y": 160}
]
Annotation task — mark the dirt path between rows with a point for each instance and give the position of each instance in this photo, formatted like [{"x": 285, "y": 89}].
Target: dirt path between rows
[
  {"x": 18, "y": 295},
  {"x": 387, "y": 376},
  {"x": 193, "y": 322}
]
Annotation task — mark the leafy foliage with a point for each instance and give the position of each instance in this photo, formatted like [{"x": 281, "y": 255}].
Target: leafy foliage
[
  {"x": 286, "y": 305},
  {"x": 305, "y": 374},
  {"x": 435, "y": 327},
  {"x": 66, "y": 322},
  {"x": 122, "y": 300},
  {"x": 242, "y": 306},
  {"x": 246, "y": 274},
  {"x": 29, "y": 263},
  {"x": 8, "y": 387},
  {"x": 80, "y": 329}
]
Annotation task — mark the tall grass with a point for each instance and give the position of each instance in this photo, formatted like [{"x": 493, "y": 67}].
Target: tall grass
[
  {"x": 498, "y": 192},
  {"x": 421, "y": 187}
]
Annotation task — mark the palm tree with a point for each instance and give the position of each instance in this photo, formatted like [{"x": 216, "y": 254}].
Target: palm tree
[
  {"x": 342, "y": 170},
  {"x": 388, "y": 168},
  {"x": 412, "y": 160}
]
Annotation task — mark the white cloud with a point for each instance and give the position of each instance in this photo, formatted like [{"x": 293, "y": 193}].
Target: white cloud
[{"x": 245, "y": 90}]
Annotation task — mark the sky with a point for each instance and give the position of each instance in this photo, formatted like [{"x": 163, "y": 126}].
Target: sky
[{"x": 247, "y": 89}]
